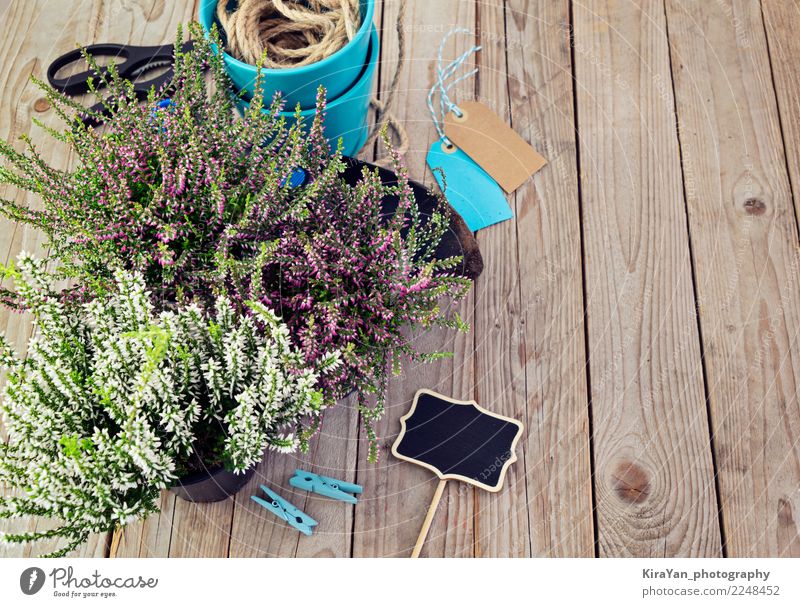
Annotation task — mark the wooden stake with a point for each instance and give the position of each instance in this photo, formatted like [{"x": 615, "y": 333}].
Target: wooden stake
[
  {"x": 428, "y": 518},
  {"x": 116, "y": 538}
]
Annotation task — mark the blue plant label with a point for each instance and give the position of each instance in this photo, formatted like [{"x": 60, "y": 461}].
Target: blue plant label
[
  {"x": 164, "y": 104},
  {"x": 469, "y": 189},
  {"x": 296, "y": 179}
]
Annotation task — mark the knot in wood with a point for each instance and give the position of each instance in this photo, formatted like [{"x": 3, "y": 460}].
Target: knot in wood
[
  {"x": 41, "y": 105},
  {"x": 631, "y": 482},
  {"x": 754, "y": 206}
]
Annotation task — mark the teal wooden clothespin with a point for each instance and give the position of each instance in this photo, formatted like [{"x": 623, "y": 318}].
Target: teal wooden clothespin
[
  {"x": 324, "y": 485},
  {"x": 286, "y": 511}
]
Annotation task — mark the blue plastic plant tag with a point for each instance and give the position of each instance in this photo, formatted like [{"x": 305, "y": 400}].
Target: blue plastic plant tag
[
  {"x": 469, "y": 189},
  {"x": 296, "y": 179},
  {"x": 164, "y": 104}
]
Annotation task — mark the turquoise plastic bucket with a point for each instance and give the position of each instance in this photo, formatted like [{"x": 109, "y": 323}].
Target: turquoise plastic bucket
[
  {"x": 345, "y": 116},
  {"x": 336, "y": 73}
]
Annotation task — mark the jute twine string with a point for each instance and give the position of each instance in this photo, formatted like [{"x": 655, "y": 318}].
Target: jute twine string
[
  {"x": 288, "y": 33},
  {"x": 292, "y": 33}
]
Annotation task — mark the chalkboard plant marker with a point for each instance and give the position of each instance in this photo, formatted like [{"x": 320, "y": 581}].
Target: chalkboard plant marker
[{"x": 457, "y": 440}]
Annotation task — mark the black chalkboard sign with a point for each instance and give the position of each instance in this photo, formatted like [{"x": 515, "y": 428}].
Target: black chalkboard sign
[{"x": 458, "y": 440}]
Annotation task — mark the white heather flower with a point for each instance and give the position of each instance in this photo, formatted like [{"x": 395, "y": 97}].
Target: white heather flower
[{"x": 106, "y": 406}]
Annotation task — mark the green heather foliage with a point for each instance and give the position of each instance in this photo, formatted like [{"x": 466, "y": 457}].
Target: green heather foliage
[
  {"x": 194, "y": 198},
  {"x": 113, "y": 398},
  {"x": 164, "y": 185}
]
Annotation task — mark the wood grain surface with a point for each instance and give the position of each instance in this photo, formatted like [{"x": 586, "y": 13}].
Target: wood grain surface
[
  {"x": 557, "y": 452},
  {"x": 654, "y": 479},
  {"x": 744, "y": 234},
  {"x": 640, "y": 313}
]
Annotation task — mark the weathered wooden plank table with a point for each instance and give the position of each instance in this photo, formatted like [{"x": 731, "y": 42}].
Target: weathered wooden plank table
[{"x": 640, "y": 314}]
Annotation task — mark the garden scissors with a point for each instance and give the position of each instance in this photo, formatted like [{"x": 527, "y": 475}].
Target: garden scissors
[{"x": 138, "y": 60}]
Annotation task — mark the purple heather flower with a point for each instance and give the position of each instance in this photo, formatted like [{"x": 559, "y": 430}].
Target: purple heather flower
[{"x": 199, "y": 207}]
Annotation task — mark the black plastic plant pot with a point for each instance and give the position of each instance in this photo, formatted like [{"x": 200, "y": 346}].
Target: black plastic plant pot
[
  {"x": 212, "y": 485},
  {"x": 457, "y": 241}
]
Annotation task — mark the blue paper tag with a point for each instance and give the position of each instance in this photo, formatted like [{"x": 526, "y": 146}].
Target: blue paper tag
[{"x": 470, "y": 190}]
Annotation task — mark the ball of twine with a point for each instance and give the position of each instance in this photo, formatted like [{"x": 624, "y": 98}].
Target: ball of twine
[
  {"x": 293, "y": 33},
  {"x": 288, "y": 33}
]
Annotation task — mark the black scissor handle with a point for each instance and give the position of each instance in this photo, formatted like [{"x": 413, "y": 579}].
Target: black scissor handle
[
  {"x": 138, "y": 60},
  {"x": 77, "y": 84},
  {"x": 99, "y": 112},
  {"x": 143, "y": 59}
]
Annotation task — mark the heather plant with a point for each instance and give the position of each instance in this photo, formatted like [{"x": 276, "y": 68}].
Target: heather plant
[
  {"x": 348, "y": 276},
  {"x": 163, "y": 182},
  {"x": 200, "y": 203},
  {"x": 114, "y": 401}
]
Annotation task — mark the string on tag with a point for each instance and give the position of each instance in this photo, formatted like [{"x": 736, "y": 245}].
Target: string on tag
[
  {"x": 469, "y": 189},
  {"x": 444, "y": 82}
]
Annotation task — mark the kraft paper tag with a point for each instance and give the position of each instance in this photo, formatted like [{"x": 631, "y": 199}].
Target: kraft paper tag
[
  {"x": 468, "y": 188},
  {"x": 493, "y": 145}
]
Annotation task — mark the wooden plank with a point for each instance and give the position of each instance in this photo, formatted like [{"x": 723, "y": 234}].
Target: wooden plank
[
  {"x": 25, "y": 29},
  {"x": 148, "y": 538},
  {"x": 746, "y": 258},
  {"x": 501, "y": 520},
  {"x": 17, "y": 328},
  {"x": 557, "y": 454},
  {"x": 335, "y": 456},
  {"x": 654, "y": 483},
  {"x": 397, "y": 494},
  {"x": 201, "y": 530},
  {"x": 35, "y": 33},
  {"x": 781, "y": 23}
]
